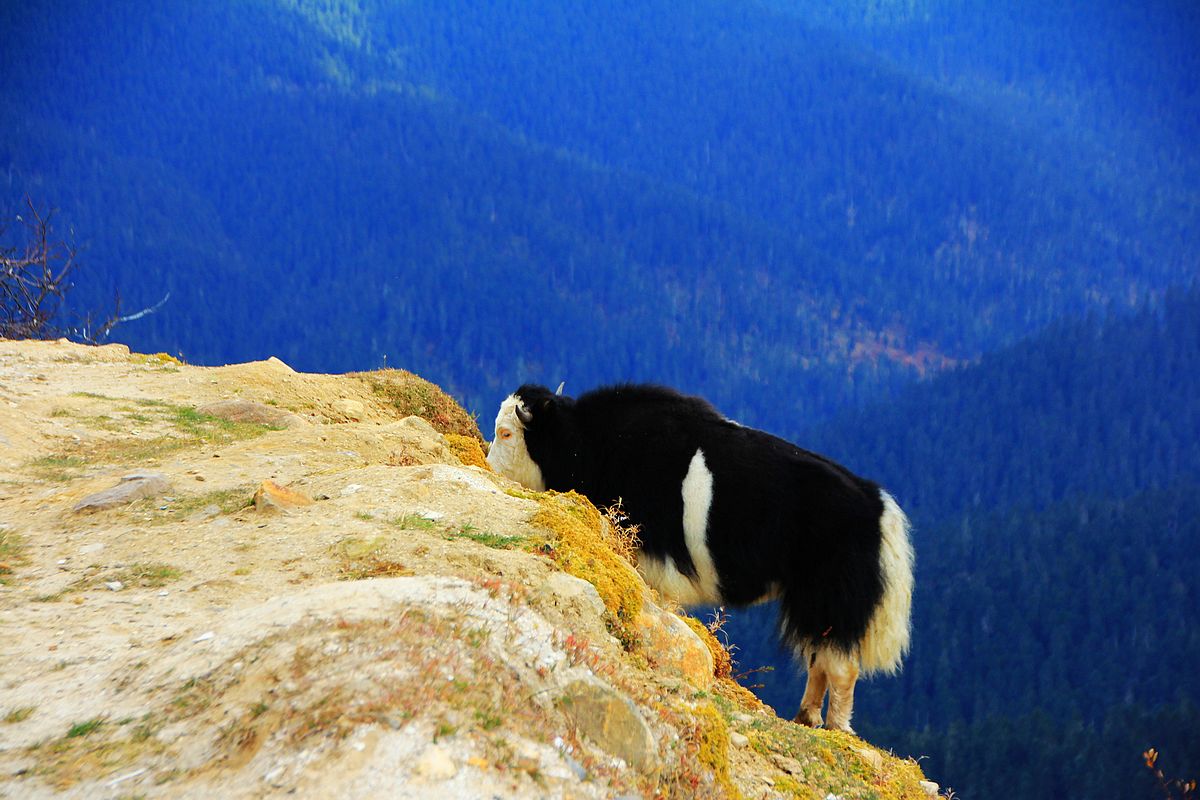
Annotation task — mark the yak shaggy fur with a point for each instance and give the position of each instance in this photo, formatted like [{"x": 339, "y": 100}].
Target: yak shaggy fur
[{"x": 732, "y": 515}]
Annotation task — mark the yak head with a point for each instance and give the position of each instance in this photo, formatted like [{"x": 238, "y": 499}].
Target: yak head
[{"x": 533, "y": 438}]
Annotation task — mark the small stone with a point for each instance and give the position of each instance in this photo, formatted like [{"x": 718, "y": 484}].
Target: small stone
[
  {"x": 789, "y": 765},
  {"x": 133, "y": 486},
  {"x": 204, "y": 637},
  {"x": 273, "y": 497},
  {"x": 351, "y": 410},
  {"x": 612, "y": 721},
  {"x": 738, "y": 739},
  {"x": 435, "y": 764},
  {"x": 580, "y": 771},
  {"x": 669, "y": 643},
  {"x": 930, "y": 788},
  {"x": 208, "y": 512},
  {"x": 114, "y": 586},
  {"x": 872, "y": 757}
]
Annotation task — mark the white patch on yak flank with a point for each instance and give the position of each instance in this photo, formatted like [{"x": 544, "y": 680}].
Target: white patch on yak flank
[
  {"x": 887, "y": 637},
  {"x": 697, "y": 492},
  {"x": 661, "y": 573},
  {"x": 509, "y": 456}
]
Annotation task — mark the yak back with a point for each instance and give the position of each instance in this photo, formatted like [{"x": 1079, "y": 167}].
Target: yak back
[{"x": 784, "y": 521}]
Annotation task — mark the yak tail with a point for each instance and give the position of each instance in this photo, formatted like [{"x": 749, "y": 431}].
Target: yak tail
[{"x": 886, "y": 641}]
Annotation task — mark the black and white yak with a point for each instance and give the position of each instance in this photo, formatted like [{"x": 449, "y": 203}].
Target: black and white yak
[{"x": 731, "y": 515}]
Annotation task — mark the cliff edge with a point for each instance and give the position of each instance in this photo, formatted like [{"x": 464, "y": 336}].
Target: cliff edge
[{"x": 245, "y": 581}]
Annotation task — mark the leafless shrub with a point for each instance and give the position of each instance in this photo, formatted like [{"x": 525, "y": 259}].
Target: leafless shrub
[{"x": 35, "y": 273}]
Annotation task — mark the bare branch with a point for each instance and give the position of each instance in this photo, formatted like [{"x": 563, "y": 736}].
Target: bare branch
[{"x": 34, "y": 280}]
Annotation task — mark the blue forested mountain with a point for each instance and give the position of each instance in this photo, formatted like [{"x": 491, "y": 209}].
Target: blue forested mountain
[
  {"x": 741, "y": 205},
  {"x": 1054, "y": 492},
  {"x": 860, "y": 225}
]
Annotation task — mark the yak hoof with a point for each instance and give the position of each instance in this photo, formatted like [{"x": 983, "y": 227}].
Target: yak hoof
[{"x": 809, "y": 717}]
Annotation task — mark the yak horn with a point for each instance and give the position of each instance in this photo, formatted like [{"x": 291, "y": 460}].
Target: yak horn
[
  {"x": 558, "y": 391},
  {"x": 524, "y": 415}
]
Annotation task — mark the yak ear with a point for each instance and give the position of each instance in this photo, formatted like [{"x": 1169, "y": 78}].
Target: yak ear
[{"x": 558, "y": 391}]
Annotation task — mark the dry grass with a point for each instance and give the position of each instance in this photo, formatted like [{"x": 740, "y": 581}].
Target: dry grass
[
  {"x": 133, "y": 576},
  {"x": 93, "y": 748},
  {"x": 359, "y": 559},
  {"x": 12, "y": 554},
  {"x": 164, "y": 428},
  {"x": 19, "y": 714},
  {"x": 412, "y": 395},
  {"x": 224, "y": 501},
  {"x": 834, "y": 761},
  {"x": 58, "y": 469}
]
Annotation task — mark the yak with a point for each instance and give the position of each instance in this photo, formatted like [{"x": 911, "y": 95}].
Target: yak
[{"x": 731, "y": 515}]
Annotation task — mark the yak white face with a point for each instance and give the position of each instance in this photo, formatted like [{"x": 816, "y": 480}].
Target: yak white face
[{"x": 508, "y": 454}]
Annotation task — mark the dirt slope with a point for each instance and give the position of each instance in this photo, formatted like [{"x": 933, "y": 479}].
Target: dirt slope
[{"x": 385, "y": 621}]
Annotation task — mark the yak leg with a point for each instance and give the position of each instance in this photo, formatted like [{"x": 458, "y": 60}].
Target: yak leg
[
  {"x": 843, "y": 672},
  {"x": 814, "y": 694}
]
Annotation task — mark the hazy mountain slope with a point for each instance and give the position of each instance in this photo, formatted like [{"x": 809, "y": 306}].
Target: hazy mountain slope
[
  {"x": 1053, "y": 491},
  {"x": 718, "y": 198},
  {"x": 1103, "y": 408},
  {"x": 290, "y": 213},
  {"x": 964, "y": 205}
]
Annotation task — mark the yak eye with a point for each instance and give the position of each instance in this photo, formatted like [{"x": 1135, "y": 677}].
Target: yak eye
[{"x": 505, "y": 433}]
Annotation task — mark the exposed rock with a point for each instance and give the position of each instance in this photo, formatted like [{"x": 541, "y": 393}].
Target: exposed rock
[
  {"x": 669, "y": 643},
  {"x": 738, "y": 739},
  {"x": 789, "y": 765},
  {"x": 348, "y": 409},
  {"x": 930, "y": 788},
  {"x": 435, "y": 764},
  {"x": 250, "y": 411},
  {"x": 571, "y": 594},
  {"x": 611, "y": 721},
  {"x": 133, "y": 486},
  {"x": 415, "y": 440},
  {"x": 273, "y": 497},
  {"x": 873, "y": 758}
]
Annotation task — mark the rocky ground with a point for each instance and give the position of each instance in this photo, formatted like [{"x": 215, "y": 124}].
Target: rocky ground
[{"x": 244, "y": 581}]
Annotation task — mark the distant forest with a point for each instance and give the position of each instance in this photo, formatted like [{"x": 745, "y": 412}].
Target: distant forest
[
  {"x": 952, "y": 245},
  {"x": 1055, "y": 495}
]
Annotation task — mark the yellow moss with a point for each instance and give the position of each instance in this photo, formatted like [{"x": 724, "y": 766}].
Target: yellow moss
[
  {"x": 722, "y": 663},
  {"x": 789, "y": 786},
  {"x": 155, "y": 358},
  {"x": 468, "y": 450},
  {"x": 739, "y": 695},
  {"x": 834, "y": 762},
  {"x": 581, "y": 547},
  {"x": 712, "y": 743}
]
